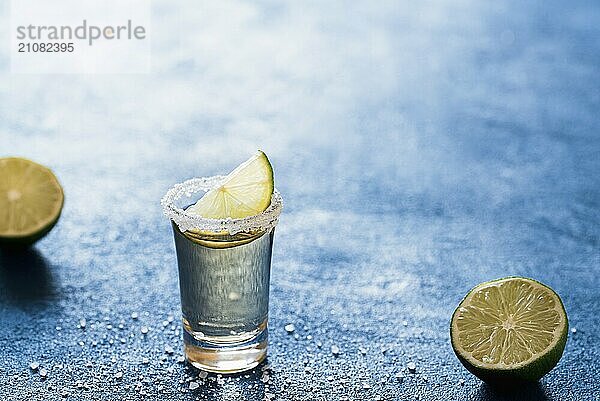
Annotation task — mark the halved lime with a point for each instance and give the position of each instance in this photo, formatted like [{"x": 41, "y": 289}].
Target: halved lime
[
  {"x": 508, "y": 330},
  {"x": 31, "y": 200},
  {"x": 246, "y": 191}
]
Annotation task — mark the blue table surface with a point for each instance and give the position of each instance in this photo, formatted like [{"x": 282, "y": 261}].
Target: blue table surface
[{"x": 421, "y": 148}]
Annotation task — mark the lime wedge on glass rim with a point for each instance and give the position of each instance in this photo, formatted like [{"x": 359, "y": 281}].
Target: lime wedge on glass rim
[
  {"x": 509, "y": 330},
  {"x": 245, "y": 192},
  {"x": 31, "y": 200}
]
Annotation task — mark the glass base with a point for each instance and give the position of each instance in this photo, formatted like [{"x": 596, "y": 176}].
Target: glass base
[{"x": 229, "y": 356}]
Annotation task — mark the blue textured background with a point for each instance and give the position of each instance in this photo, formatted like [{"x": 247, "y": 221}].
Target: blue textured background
[{"x": 421, "y": 148}]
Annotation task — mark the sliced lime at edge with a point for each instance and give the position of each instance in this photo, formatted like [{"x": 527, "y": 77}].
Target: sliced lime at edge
[{"x": 509, "y": 330}]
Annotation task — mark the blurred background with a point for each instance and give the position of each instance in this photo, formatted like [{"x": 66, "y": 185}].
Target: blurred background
[{"x": 421, "y": 148}]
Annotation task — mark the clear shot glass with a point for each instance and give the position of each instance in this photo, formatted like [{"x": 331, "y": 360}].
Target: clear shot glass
[{"x": 224, "y": 273}]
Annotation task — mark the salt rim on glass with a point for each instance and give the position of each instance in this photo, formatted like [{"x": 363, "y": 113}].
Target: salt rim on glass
[{"x": 264, "y": 221}]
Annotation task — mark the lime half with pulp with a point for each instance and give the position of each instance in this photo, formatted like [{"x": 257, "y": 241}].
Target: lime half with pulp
[
  {"x": 246, "y": 191},
  {"x": 31, "y": 200},
  {"x": 509, "y": 330}
]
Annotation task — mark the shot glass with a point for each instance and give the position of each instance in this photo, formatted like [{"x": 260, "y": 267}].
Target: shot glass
[{"x": 224, "y": 273}]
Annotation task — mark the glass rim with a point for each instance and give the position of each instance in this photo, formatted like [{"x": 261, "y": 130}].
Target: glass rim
[{"x": 263, "y": 221}]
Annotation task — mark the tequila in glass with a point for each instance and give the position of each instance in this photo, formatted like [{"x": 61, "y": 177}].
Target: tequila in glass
[{"x": 224, "y": 270}]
